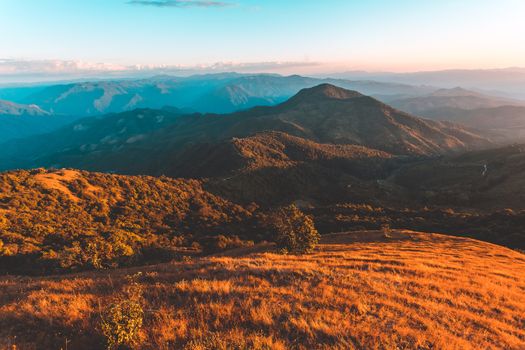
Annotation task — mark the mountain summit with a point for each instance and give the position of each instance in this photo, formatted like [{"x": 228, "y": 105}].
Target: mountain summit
[{"x": 324, "y": 92}]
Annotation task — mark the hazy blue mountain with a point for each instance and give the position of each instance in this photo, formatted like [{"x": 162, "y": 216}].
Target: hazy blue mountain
[
  {"x": 19, "y": 120},
  {"x": 458, "y": 98},
  {"x": 509, "y": 82},
  {"x": 506, "y": 123},
  {"x": 17, "y": 109},
  {"x": 211, "y": 93},
  {"x": 19, "y": 93}
]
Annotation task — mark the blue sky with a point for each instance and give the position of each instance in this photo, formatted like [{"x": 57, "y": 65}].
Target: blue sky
[{"x": 402, "y": 35}]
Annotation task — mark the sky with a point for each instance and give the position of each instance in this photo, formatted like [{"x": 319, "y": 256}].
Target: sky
[{"x": 285, "y": 36}]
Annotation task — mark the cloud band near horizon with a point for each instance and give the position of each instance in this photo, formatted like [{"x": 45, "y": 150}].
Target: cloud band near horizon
[{"x": 180, "y": 3}]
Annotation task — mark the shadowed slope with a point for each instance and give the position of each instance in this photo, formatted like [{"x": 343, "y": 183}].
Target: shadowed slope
[
  {"x": 263, "y": 150},
  {"x": 484, "y": 179}
]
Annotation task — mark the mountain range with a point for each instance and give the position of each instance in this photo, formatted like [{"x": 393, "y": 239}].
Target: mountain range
[
  {"x": 325, "y": 114},
  {"x": 506, "y": 82},
  {"x": 217, "y": 93},
  {"x": 456, "y": 98},
  {"x": 212, "y": 93}
]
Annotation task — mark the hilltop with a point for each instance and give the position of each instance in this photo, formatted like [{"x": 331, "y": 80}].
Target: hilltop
[{"x": 359, "y": 290}]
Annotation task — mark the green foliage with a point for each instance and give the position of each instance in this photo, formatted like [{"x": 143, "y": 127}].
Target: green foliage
[
  {"x": 294, "y": 231},
  {"x": 220, "y": 243},
  {"x": 122, "y": 320},
  {"x": 95, "y": 221}
]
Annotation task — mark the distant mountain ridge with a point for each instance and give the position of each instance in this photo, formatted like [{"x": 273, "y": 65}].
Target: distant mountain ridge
[
  {"x": 505, "y": 82},
  {"x": 504, "y": 122},
  {"x": 210, "y": 93},
  {"x": 452, "y": 98},
  {"x": 217, "y": 93},
  {"x": 17, "y": 109},
  {"x": 20, "y": 120}
]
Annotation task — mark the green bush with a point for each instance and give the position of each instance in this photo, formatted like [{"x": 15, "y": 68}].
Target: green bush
[
  {"x": 215, "y": 244},
  {"x": 294, "y": 231},
  {"x": 122, "y": 320}
]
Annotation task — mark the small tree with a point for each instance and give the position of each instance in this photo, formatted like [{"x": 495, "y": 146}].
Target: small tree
[
  {"x": 294, "y": 231},
  {"x": 122, "y": 320}
]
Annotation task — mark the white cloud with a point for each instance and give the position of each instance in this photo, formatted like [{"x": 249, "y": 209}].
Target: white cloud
[
  {"x": 180, "y": 3},
  {"x": 14, "y": 70}
]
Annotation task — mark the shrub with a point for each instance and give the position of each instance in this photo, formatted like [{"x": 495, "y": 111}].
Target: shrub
[
  {"x": 294, "y": 231},
  {"x": 387, "y": 230},
  {"x": 122, "y": 320},
  {"x": 214, "y": 244}
]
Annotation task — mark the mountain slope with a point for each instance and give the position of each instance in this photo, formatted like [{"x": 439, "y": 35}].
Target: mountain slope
[
  {"x": 276, "y": 168},
  {"x": 94, "y": 135},
  {"x": 323, "y": 114},
  {"x": 49, "y": 219},
  {"x": 484, "y": 179},
  {"x": 360, "y": 290}
]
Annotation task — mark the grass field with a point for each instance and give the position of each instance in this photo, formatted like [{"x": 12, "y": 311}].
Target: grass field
[{"x": 363, "y": 290}]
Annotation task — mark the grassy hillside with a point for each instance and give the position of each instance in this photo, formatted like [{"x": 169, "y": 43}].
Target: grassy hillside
[
  {"x": 70, "y": 220},
  {"x": 367, "y": 290}
]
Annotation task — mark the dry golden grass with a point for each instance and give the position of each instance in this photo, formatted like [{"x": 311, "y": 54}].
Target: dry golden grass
[
  {"x": 60, "y": 180},
  {"x": 368, "y": 290}
]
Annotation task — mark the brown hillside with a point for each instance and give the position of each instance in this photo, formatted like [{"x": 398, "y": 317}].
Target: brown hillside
[
  {"x": 277, "y": 168},
  {"x": 367, "y": 290},
  {"x": 263, "y": 150}
]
